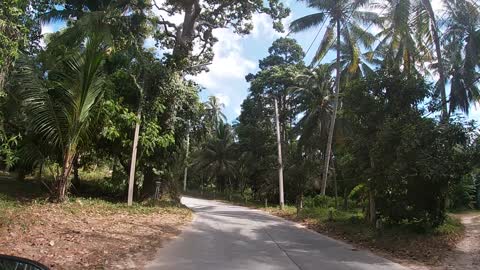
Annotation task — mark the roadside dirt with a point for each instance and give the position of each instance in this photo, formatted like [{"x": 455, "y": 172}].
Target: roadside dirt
[
  {"x": 417, "y": 252},
  {"x": 466, "y": 255},
  {"x": 78, "y": 235}
]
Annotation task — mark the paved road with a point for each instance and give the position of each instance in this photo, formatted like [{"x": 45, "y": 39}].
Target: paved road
[{"x": 225, "y": 237}]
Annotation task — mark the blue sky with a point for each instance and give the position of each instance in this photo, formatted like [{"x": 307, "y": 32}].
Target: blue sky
[{"x": 236, "y": 56}]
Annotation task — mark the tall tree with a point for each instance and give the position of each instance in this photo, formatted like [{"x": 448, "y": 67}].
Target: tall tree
[
  {"x": 462, "y": 42},
  {"x": 216, "y": 158},
  {"x": 338, "y": 13},
  {"x": 213, "y": 112},
  {"x": 200, "y": 18},
  {"x": 435, "y": 32},
  {"x": 62, "y": 108},
  {"x": 19, "y": 31}
]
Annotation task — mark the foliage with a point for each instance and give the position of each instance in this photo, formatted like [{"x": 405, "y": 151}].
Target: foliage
[{"x": 407, "y": 161}]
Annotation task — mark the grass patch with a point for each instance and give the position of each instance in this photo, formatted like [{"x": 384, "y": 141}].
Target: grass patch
[{"x": 451, "y": 226}]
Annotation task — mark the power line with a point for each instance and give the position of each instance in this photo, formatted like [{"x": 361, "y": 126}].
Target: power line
[
  {"x": 316, "y": 36},
  {"x": 366, "y": 29}
]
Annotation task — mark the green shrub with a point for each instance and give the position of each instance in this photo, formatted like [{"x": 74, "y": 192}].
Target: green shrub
[{"x": 319, "y": 201}]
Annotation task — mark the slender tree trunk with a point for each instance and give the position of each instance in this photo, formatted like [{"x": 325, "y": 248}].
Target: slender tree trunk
[
  {"x": 149, "y": 185},
  {"x": 372, "y": 210},
  {"x": 280, "y": 162},
  {"x": 76, "y": 177},
  {"x": 185, "y": 174},
  {"x": 438, "y": 50},
  {"x": 131, "y": 179},
  {"x": 40, "y": 171},
  {"x": 345, "y": 199},
  {"x": 334, "y": 115},
  {"x": 335, "y": 185},
  {"x": 62, "y": 179},
  {"x": 478, "y": 192}
]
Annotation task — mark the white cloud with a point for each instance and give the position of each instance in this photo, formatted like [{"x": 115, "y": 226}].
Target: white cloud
[
  {"x": 226, "y": 76},
  {"x": 176, "y": 19},
  {"x": 263, "y": 27},
  {"x": 47, "y": 29},
  {"x": 223, "y": 99},
  {"x": 228, "y": 63}
]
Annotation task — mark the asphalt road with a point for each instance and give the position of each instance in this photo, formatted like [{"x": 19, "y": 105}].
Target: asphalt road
[{"x": 224, "y": 236}]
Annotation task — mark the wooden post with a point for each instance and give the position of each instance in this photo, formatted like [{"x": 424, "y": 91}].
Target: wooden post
[
  {"x": 158, "y": 186},
  {"x": 280, "y": 162},
  {"x": 185, "y": 175},
  {"x": 131, "y": 180}
]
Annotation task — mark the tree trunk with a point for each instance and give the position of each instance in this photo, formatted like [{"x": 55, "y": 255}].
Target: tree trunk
[
  {"x": 438, "y": 50},
  {"x": 345, "y": 199},
  {"x": 76, "y": 177},
  {"x": 185, "y": 173},
  {"x": 280, "y": 162},
  {"x": 149, "y": 185},
  {"x": 131, "y": 179},
  {"x": 334, "y": 115},
  {"x": 40, "y": 172},
  {"x": 335, "y": 186},
  {"x": 61, "y": 185},
  {"x": 478, "y": 192},
  {"x": 186, "y": 32},
  {"x": 372, "y": 210}
]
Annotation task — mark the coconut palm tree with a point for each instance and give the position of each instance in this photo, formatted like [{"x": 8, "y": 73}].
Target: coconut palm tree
[
  {"x": 216, "y": 157},
  {"x": 213, "y": 112},
  {"x": 409, "y": 27},
  {"x": 313, "y": 96},
  {"x": 462, "y": 38},
  {"x": 401, "y": 45},
  {"x": 435, "y": 32},
  {"x": 61, "y": 107},
  {"x": 343, "y": 17},
  {"x": 85, "y": 18}
]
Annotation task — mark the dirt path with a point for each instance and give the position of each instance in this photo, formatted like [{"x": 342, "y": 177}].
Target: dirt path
[{"x": 466, "y": 255}]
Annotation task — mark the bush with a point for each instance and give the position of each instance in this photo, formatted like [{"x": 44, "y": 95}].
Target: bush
[{"x": 319, "y": 201}]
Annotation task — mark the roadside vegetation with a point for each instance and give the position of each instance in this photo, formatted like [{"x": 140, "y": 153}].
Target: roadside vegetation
[{"x": 370, "y": 137}]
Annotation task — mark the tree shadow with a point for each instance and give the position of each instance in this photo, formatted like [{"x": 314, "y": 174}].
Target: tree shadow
[{"x": 23, "y": 191}]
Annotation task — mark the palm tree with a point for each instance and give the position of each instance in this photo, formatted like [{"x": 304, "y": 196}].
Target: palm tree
[
  {"x": 61, "y": 109},
  {"x": 401, "y": 45},
  {"x": 462, "y": 39},
  {"x": 409, "y": 27},
  {"x": 339, "y": 13},
  {"x": 214, "y": 114},
  {"x": 312, "y": 94},
  {"x": 216, "y": 158},
  {"x": 86, "y": 18},
  {"x": 435, "y": 31}
]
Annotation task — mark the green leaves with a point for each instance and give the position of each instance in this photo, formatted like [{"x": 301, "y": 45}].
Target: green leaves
[
  {"x": 307, "y": 22},
  {"x": 61, "y": 107}
]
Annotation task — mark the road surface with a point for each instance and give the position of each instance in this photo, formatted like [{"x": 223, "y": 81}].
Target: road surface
[{"x": 223, "y": 237}]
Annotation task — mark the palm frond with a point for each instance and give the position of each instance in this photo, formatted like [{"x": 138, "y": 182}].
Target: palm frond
[{"x": 307, "y": 22}]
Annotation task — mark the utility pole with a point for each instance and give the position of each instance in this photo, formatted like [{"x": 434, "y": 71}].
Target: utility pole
[
  {"x": 185, "y": 175},
  {"x": 280, "y": 162},
  {"x": 131, "y": 180}
]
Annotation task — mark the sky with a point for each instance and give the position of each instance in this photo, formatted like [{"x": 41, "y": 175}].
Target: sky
[{"x": 236, "y": 56}]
